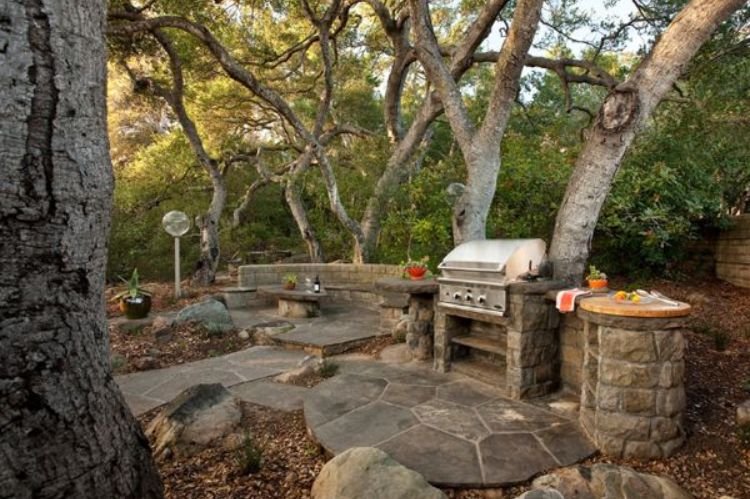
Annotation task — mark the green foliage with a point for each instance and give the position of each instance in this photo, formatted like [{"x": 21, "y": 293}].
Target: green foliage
[
  {"x": 688, "y": 169},
  {"x": 328, "y": 369},
  {"x": 133, "y": 290},
  {"x": 249, "y": 457}
]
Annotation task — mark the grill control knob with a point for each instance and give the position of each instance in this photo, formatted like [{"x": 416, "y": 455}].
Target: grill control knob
[
  {"x": 456, "y": 296},
  {"x": 482, "y": 299},
  {"x": 468, "y": 297}
]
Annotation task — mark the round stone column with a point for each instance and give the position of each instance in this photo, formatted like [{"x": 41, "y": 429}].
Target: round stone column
[{"x": 633, "y": 393}]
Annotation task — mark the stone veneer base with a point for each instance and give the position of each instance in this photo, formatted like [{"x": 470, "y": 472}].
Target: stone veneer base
[{"x": 632, "y": 394}]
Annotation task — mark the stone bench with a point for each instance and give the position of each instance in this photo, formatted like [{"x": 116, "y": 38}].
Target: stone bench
[{"x": 295, "y": 303}]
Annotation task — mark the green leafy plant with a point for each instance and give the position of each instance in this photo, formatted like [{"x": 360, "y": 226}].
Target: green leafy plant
[
  {"x": 416, "y": 264},
  {"x": 249, "y": 457},
  {"x": 133, "y": 288},
  {"x": 290, "y": 278},
  {"x": 721, "y": 339},
  {"x": 595, "y": 274},
  {"x": 328, "y": 369}
]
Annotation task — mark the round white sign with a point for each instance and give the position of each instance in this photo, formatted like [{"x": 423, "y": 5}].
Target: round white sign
[{"x": 176, "y": 223}]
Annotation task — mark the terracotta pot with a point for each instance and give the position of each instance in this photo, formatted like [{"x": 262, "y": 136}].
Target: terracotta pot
[
  {"x": 598, "y": 283},
  {"x": 416, "y": 273},
  {"x": 290, "y": 285},
  {"x": 136, "y": 308}
]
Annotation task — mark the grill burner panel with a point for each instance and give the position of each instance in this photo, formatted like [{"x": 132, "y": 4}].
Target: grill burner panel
[{"x": 475, "y": 275}]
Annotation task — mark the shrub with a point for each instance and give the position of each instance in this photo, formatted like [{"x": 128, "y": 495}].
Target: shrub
[
  {"x": 249, "y": 456},
  {"x": 328, "y": 369}
]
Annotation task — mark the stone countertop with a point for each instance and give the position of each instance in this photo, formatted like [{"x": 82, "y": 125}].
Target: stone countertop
[
  {"x": 292, "y": 294},
  {"x": 419, "y": 287}
]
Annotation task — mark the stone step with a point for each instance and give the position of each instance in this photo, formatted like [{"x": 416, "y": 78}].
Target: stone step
[
  {"x": 492, "y": 374},
  {"x": 479, "y": 343}
]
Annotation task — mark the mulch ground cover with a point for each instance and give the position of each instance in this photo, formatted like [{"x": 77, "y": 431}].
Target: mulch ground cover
[
  {"x": 715, "y": 461},
  {"x": 290, "y": 461}
]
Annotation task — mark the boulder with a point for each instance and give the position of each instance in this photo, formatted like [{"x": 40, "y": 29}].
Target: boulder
[
  {"x": 265, "y": 333},
  {"x": 370, "y": 473},
  {"x": 145, "y": 363},
  {"x": 213, "y": 315},
  {"x": 743, "y": 414},
  {"x": 199, "y": 416},
  {"x": 399, "y": 332},
  {"x": 606, "y": 480},
  {"x": 244, "y": 334},
  {"x": 306, "y": 367}
]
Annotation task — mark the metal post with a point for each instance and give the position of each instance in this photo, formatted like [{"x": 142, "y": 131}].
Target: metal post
[{"x": 177, "y": 292}]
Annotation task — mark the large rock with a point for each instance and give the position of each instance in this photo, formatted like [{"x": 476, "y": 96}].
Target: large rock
[
  {"x": 308, "y": 366},
  {"x": 213, "y": 315},
  {"x": 266, "y": 332},
  {"x": 370, "y": 473},
  {"x": 199, "y": 416},
  {"x": 606, "y": 481}
]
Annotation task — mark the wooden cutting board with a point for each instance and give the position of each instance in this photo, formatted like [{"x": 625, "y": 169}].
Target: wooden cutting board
[{"x": 606, "y": 305}]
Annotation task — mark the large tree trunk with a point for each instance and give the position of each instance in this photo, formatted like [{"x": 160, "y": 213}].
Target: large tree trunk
[
  {"x": 480, "y": 146},
  {"x": 624, "y": 110},
  {"x": 208, "y": 224},
  {"x": 65, "y": 430},
  {"x": 294, "y": 200}
]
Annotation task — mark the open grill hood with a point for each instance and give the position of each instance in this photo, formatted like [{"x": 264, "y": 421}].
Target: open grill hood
[{"x": 475, "y": 274}]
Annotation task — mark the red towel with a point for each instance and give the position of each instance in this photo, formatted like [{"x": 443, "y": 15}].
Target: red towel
[{"x": 566, "y": 299}]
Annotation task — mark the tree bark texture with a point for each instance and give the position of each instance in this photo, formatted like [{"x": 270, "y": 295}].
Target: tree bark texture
[
  {"x": 293, "y": 198},
  {"x": 65, "y": 430},
  {"x": 623, "y": 112}
]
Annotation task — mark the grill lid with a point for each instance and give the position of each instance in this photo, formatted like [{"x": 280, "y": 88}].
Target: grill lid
[{"x": 511, "y": 256}]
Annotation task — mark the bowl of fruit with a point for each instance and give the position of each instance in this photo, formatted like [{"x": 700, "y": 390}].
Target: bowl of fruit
[{"x": 631, "y": 298}]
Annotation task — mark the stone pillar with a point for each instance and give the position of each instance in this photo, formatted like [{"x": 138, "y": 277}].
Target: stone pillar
[
  {"x": 420, "y": 330},
  {"x": 421, "y": 306},
  {"x": 393, "y": 309},
  {"x": 633, "y": 395},
  {"x": 446, "y": 328},
  {"x": 533, "y": 351}
]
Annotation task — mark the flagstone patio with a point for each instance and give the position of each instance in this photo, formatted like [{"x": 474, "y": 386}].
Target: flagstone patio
[{"x": 455, "y": 431}]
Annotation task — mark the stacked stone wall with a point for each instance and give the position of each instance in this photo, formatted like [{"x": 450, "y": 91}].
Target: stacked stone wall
[
  {"x": 329, "y": 273},
  {"x": 733, "y": 253},
  {"x": 533, "y": 344},
  {"x": 633, "y": 396},
  {"x": 571, "y": 352}
]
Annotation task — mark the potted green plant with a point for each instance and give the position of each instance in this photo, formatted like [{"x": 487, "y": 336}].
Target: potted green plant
[
  {"x": 290, "y": 281},
  {"x": 597, "y": 279},
  {"x": 135, "y": 302},
  {"x": 416, "y": 269}
]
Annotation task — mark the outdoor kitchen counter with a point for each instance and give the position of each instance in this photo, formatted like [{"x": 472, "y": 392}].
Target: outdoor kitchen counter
[
  {"x": 606, "y": 305},
  {"x": 409, "y": 305},
  {"x": 633, "y": 392}
]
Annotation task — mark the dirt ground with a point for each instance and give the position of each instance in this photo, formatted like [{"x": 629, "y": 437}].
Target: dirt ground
[{"x": 715, "y": 460}]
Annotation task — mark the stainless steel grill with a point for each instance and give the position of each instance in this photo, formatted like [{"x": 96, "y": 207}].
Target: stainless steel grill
[{"x": 475, "y": 275}]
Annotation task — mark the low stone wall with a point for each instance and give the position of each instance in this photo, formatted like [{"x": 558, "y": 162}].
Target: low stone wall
[
  {"x": 571, "y": 352},
  {"x": 633, "y": 395},
  {"x": 342, "y": 281},
  {"x": 733, "y": 253}
]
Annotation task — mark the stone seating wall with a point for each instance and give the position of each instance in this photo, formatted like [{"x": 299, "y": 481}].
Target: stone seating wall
[{"x": 342, "y": 281}]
